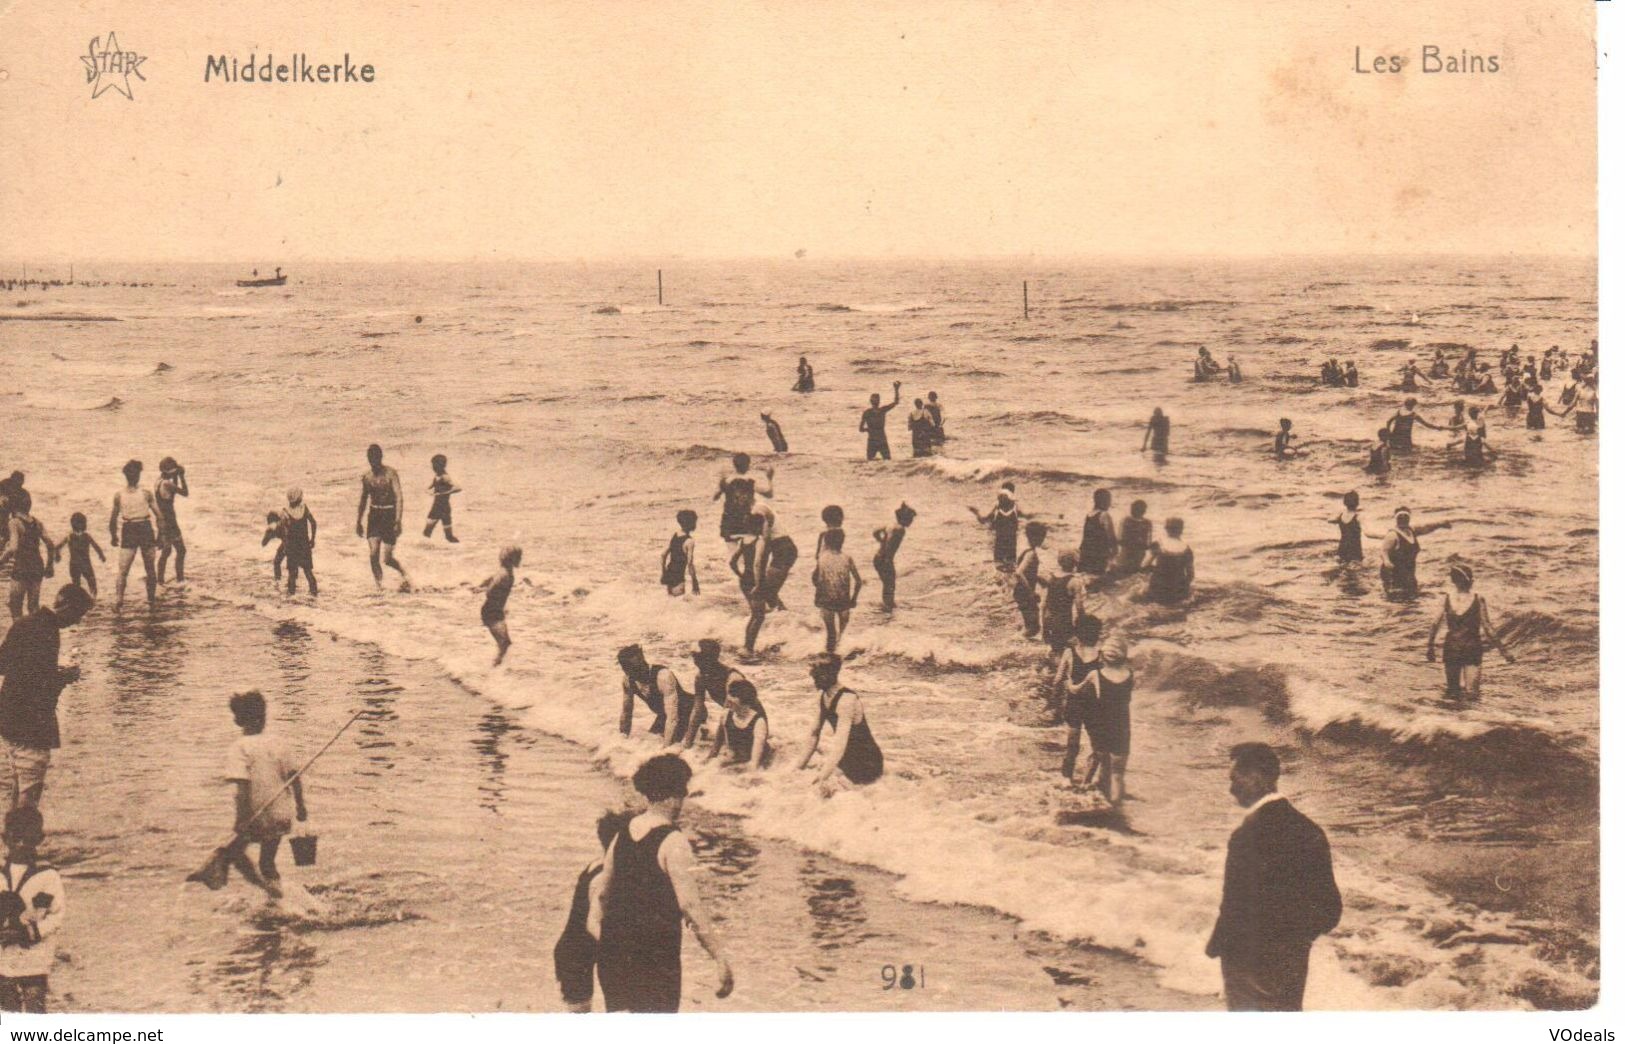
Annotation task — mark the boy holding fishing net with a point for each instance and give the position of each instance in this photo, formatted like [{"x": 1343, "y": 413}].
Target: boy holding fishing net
[{"x": 259, "y": 766}]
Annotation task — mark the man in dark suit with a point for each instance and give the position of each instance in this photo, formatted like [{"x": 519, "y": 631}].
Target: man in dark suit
[{"x": 1279, "y": 892}]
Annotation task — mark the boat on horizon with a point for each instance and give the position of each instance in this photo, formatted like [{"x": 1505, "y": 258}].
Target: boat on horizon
[{"x": 276, "y": 280}]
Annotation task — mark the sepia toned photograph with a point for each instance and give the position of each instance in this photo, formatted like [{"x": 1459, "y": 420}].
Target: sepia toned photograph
[{"x": 740, "y": 507}]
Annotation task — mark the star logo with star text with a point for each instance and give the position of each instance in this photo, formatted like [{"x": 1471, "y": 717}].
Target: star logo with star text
[{"x": 109, "y": 67}]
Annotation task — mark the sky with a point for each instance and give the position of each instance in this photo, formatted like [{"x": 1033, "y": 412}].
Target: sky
[{"x": 563, "y": 130}]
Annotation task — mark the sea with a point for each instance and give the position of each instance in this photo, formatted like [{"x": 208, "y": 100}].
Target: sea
[{"x": 579, "y": 414}]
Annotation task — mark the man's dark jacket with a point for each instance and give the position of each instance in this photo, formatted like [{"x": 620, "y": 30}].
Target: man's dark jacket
[{"x": 1279, "y": 891}]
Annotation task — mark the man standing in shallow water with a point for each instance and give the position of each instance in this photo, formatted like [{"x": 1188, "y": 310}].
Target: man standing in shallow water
[{"x": 378, "y": 515}]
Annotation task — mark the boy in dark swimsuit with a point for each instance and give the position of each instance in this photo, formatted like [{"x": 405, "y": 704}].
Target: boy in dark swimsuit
[
  {"x": 442, "y": 487},
  {"x": 79, "y": 544}
]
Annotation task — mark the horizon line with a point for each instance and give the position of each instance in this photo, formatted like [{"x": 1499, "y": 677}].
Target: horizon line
[{"x": 1038, "y": 258}]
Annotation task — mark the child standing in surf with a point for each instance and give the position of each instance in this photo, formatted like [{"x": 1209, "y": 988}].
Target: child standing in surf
[
  {"x": 677, "y": 564},
  {"x": 497, "y": 588},
  {"x": 442, "y": 487},
  {"x": 80, "y": 543}
]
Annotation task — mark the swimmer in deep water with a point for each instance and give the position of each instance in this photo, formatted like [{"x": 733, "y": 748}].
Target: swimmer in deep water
[
  {"x": 133, "y": 528},
  {"x": 1466, "y": 631},
  {"x": 378, "y": 515},
  {"x": 1234, "y": 369},
  {"x": 804, "y": 376},
  {"x": 497, "y": 588}
]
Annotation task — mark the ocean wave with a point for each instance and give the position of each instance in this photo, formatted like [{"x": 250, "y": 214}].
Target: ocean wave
[{"x": 1388, "y": 343}]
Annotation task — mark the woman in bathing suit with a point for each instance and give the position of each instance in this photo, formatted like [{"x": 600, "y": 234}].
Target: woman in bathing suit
[
  {"x": 1465, "y": 618},
  {"x": 133, "y": 527},
  {"x": 1078, "y": 708},
  {"x": 743, "y": 730},
  {"x": 855, "y": 751}
]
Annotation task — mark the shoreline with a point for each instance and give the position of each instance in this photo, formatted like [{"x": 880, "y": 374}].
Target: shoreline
[{"x": 235, "y": 954}]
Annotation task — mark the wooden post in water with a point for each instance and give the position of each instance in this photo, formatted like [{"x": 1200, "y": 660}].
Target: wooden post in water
[
  {"x": 660, "y": 287},
  {"x": 1024, "y": 298}
]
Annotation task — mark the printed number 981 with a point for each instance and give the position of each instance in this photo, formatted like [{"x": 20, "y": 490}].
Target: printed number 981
[{"x": 905, "y": 978}]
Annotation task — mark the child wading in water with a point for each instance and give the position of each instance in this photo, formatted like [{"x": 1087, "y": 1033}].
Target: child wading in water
[
  {"x": 297, "y": 527},
  {"x": 259, "y": 765},
  {"x": 79, "y": 544},
  {"x": 494, "y": 613},
  {"x": 31, "y": 911},
  {"x": 677, "y": 564},
  {"x": 442, "y": 487}
]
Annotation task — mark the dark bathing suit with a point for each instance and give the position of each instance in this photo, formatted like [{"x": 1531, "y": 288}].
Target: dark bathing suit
[
  {"x": 874, "y": 422},
  {"x": 1095, "y": 552},
  {"x": 676, "y": 561},
  {"x": 1401, "y": 576},
  {"x": 1006, "y": 529},
  {"x": 1169, "y": 578},
  {"x": 1081, "y": 712},
  {"x": 495, "y": 609},
  {"x": 1472, "y": 447},
  {"x": 1136, "y": 538},
  {"x": 1114, "y": 717},
  {"x": 862, "y": 763},
  {"x": 640, "y": 956},
  {"x": 1057, "y": 626},
  {"x": 1159, "y": 434},
  {"x": 380, "y": 516},
  {"x": 576, "y": 953},
  {"x": 655, "y": 700},
  {"x": 1537, "y": 413},
  {"x": 1399, "y": 432},
  {"x": 741, "y": 739},
  {"x": 28, "y": 564},
  {"x": 169, "y": 527},
  {"x": 296, "y": 539},
  {"x": 738, "y": 496},
  {"x": 441, "y": 508},
  {"x": 1349, "y": 548},
  {"x": 1463, "y": 643}
]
